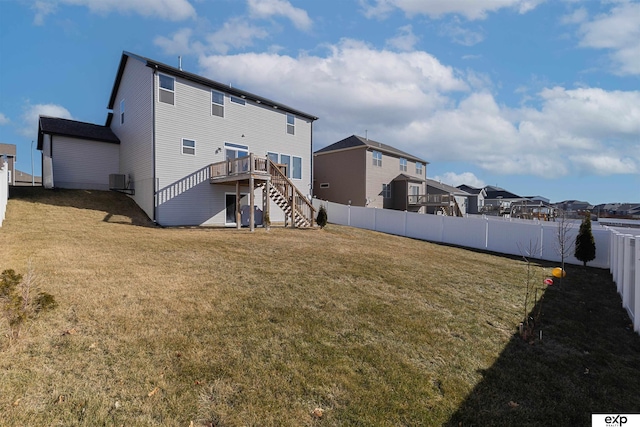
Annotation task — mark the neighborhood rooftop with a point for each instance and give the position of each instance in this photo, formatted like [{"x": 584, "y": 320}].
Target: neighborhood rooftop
[
  {"x": 355, "y": 141},
  {"x": 164, "y": 68},
  {"x": 66, "y": 127}
]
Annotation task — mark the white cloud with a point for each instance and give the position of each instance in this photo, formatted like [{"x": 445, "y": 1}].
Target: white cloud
[
  {"x": 4, "y": 120},
  {"x": 388, "y": 90},
  {"x": 619, "y": 32},
  {"x": 578, "y": 16},
  {"x": 470, "y": 9},
  {"x": 455, "y": 179},
  {"x": 460, "y": 35},
  {"x": 31, "y": 113},
  {"x": 42, "y": 9},
  {"x": 405, "y": 40},
  {"x": 409, "y": 100},
  {"x": 172, "y": 10},
  {"x": 179, "y": 43},
  {"x": 269, "y": 8},
  {"x": 235, "y": 33}
]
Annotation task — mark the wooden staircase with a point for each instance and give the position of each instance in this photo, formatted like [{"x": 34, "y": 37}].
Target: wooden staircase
[{"x": 297, "y": 208}]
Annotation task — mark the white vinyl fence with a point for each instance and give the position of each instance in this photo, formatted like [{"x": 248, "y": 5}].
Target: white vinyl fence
[
  {"x": 625, "y": 268},
  {"x": 615, "y": 250},
  {"x": 4, "y": 188}
]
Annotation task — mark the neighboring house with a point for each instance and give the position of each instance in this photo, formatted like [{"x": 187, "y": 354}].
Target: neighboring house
[
  {"x": 476, "y": 198},
  {"x": 575, "y": 208},
  {"x": 8, "y": 152},
  {"x": 444, "y": 199},
  {"x": 498, "y": 201},
  {"x": 25, "y": 179},
  {"x": 188, "y": 150},
  {"x": 362, "y": 172}
]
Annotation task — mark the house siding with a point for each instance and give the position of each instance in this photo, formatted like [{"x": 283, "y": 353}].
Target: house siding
[
  {"x": 83, "y": 164},
  {"x": 136, "y": 134},
  {"x": 185, "y": 196},
  {"x": 344, "y": 171},
  {"x": 378, "y": 175}
]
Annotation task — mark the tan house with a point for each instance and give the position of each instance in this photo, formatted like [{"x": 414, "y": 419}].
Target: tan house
[
  {"x": 8, "y": 151},
  {"x": 362, "y": 172}
]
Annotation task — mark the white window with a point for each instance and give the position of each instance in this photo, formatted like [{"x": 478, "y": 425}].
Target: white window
[
  {"x": 291, "y": 124},
  {"x": 418, "y": 168},
  {"x": 237, "y": 100},
  {"x": 403, "y": 164},
  {"x": 386, "y": 191},
  {"x": 296, "y": 169},
  {"x": 285, "y": 159},
  {"x": 166, "y": 89},
  {"x": 235, "y": 151},
  {"x": 377, "y": 158},
  {"x": 122, "y": 112},
  {"x": 273, "y": 157},
  {"x": 217, "y": 103},
  {"x": 188, "y": 146}
]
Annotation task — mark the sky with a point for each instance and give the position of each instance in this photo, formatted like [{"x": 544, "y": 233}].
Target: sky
[{"x": 540, "y": 97}]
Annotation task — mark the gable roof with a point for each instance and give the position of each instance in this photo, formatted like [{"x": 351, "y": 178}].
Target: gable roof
[
  {"x": 472, "y": 190},
  {"x": 355, "y": 141},
  {"x": 447, "y": 188},
  {"x": 74, "y": 129},
  {"x": 405, "y": 177},
  {"x": 164, "y": 68},
  {"x": 499, "y": 193}
]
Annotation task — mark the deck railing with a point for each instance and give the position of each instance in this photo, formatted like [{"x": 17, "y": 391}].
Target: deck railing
[
  {"x": 241, "y": 165},
  {"x": 429, "y": 199}
]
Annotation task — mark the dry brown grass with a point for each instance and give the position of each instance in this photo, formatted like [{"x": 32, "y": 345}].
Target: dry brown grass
[{"x": 228, "y": 328}]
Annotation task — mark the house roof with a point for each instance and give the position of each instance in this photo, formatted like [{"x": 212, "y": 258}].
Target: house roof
[
  {"x": 8, "y": 150},
  {"x": 355, "y": 141},
  {"x": 405, "y": 177},
  {"x": 447, "y": 188},
  {"x": 472, "y": 190},
  {"x": 164, "y": 68},
  {"x": 499, "y": 193},
  {"x": 74, "y": 129}
]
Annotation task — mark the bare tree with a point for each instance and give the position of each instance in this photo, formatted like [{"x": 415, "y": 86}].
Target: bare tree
[{"x": 564, "y": 239}]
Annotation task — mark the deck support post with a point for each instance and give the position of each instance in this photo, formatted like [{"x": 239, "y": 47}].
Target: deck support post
[
  {"x": 238, "y": 215},
  {"x": 252, "y": 197}
]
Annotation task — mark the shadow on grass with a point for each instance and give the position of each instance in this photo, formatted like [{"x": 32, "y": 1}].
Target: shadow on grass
[
  {"x": 587, "y": 362},
  {"x": 119, "y": 208}
]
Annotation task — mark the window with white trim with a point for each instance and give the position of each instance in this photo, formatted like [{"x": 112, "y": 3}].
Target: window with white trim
[
  {"x": 296, "y": 168},
  {"x": 166, "y": 89},
  {"x": 122, "y": 112},
  {"x": 274, "y": 157},
  {"x": 188, "y": 146},
  {"x": 377, "y": 158},
  {"x": 386, "y": 191},
  {"x": 403, "y": 164},
  {"x": 235, "y": 151},
  {"x": 237, "y": 100},
  {"x": 285, "y": 159},
  {"x": 419, "y": 168},
  {"x": 291, "y": 124},
  {"x": 217, "y": 103}
]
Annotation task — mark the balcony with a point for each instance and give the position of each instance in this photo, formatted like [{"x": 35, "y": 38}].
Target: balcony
[{"x": 431, "y": 200}]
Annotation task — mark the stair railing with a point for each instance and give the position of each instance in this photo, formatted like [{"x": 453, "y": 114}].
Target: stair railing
[{"x": 298, "y": 202}]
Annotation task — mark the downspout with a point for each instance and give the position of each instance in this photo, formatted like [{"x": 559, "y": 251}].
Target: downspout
[
  {"x": 153, "y": 144},
  {"x": 311, "y": 189}
]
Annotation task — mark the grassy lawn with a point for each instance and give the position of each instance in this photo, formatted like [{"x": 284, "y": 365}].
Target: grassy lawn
[{"x": 230, "y": 328}]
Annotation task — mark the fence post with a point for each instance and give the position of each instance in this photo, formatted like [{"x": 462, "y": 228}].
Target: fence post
[{"x": 626, "y": 270}]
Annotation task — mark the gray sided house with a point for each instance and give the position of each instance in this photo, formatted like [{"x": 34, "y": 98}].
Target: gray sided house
[
  {"x": 187, "y": 149},
  {"x": 447, "y": 200},
  {"x": 363, "y": 172},
  {"x": 8, "y": 153}
]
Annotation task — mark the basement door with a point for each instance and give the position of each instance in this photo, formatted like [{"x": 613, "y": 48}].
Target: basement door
[{"x": 230, "y": 201}]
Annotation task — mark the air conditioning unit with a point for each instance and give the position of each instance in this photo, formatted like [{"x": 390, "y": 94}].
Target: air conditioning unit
[{"x": 117, "y": 182}]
